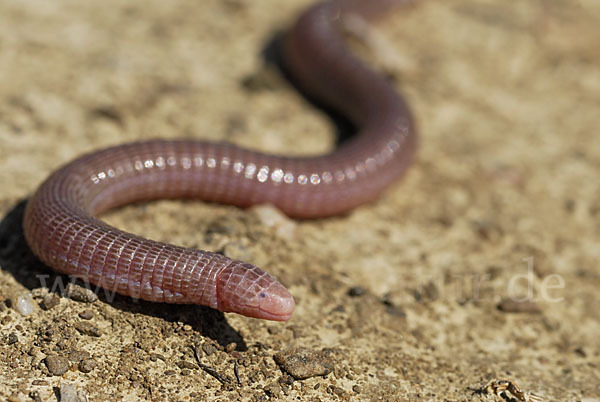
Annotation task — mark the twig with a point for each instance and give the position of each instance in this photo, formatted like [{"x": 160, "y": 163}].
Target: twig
[{"x": 223, "y": 379}]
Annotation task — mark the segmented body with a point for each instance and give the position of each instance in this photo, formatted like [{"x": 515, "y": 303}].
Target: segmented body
[{"x": 62, "y": 230}]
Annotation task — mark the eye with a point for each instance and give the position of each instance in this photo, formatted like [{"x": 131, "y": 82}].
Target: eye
[{"x": 262, "y": 295}]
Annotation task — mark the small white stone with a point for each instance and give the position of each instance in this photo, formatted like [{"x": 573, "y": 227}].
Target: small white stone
[
  {"x": 23, "y": 304},
  {"x": 271, "y": 217}
]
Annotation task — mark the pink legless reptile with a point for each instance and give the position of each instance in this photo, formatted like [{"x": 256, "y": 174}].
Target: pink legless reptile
[{"x": 60, "y": 224}]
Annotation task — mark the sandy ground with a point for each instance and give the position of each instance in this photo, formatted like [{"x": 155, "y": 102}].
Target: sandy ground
[{"x": 406, "y": 296}]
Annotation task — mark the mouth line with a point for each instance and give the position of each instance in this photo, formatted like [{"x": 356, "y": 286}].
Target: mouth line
[
  {"x": 274, "y": 317},
  {"x": 267, "y": 315}
]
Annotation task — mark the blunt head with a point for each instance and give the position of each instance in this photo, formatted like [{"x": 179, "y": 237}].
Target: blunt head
[{"x": 245, "y": 289}]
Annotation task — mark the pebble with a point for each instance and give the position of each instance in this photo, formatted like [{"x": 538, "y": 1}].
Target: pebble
[
  {"x": 23, "y": 304},
  {"x": 208, "y": 349},
  {"x": 580, "y": 351},
  {"x": 356, "y": 291},
  {"x": 274, "y": 218},
  {"x": 78, "y": 355},
  {"x": 184, "y": 364},
  {"x": 37, "y": 356},
  {"x": 87, "y": 328},
  {"x": 336, "y": 390},
  {"x": 86, "y": 314},
  {"x": 80, "y": 294},
  {"x": 273, "y": 390},
  {"x": 57, "y": 365},
  {"x": 70, "y": 393},
  {"x": 302, "y": 363},
  {"x": 49, "y": 301},
  {"x": 156, "y": 356},
  {"x": 396, "y": 311},
  {"x": 512, "y": 306},
  {"x": 87, "y": 365},
  {"x": 12, "y": 338}
]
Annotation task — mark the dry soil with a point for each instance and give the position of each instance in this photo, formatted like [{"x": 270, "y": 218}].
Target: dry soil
[{"x": 407, "y": 298}]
